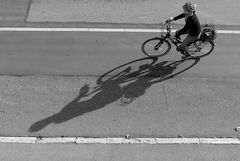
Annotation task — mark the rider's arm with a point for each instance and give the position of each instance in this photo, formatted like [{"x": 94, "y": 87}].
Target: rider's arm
[
  {"x": 179, "y": 17},
  {"x": 182, "y": 31},
  {"x": 176, "y": 18}
]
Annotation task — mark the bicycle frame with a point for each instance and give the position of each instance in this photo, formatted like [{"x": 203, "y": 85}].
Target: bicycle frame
[{"x": 168, "y": 36}]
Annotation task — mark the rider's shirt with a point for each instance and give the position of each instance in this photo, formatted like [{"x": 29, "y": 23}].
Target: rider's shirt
[{"x": 192, "y": 24}]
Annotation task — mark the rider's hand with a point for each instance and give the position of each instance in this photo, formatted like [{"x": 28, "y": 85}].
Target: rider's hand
[{"x": 169, "y": 20}]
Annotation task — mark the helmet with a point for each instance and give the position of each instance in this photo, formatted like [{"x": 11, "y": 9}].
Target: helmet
[{"x": 191, "y": 7}]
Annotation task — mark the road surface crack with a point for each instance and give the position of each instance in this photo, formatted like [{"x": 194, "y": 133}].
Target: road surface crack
[{"x": 166, "y": 99}]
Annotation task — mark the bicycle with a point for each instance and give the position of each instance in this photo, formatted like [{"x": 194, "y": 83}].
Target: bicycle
[{"x": 160, "y": 46}]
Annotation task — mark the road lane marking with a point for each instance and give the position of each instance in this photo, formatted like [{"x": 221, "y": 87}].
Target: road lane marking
[
  {"x": 22, "y": 29},
  {"x": 116, "y": 140}
]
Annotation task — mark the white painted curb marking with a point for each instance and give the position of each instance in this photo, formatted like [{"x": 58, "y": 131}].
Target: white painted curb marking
[
  {"x": 178, "y": 140},
  {"x": 17, "y": 139},
  {"x": 83, "y": 140},
  {"x": 98, "y": 30},
  {"x": 56, "y": 140},
  {"x": 219, "y": 141}
]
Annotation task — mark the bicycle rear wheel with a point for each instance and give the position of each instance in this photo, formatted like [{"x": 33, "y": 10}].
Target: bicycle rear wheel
[
  {"x": 156, "y": 47},
  {"x": 201, "y": 48}
]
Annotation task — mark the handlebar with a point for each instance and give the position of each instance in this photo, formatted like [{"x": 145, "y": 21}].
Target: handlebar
[{"x": 169, "y": 27}]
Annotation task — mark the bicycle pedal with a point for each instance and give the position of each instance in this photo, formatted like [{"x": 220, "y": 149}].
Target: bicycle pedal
[
  {"x": 179, "y": 40},
  {"x": 188, "y": 56},
  {"x": 178, "y": 49}
]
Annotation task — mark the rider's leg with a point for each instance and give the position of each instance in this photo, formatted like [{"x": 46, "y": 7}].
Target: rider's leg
[
  {"x": 178, "y": 34},
  {"x": 189, "y": 39}
]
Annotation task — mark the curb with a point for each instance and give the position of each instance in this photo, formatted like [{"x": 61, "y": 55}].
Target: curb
[{"x": 84, "y": 140}]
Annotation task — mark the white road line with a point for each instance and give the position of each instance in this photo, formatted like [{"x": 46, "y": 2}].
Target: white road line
[
  {"x": 83, "y": 140},
  {"x": 80, "y": 29},
  {"x": 98, "y": 30}
]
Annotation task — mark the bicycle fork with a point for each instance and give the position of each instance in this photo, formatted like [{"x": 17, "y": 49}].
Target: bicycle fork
[{"x": 158, "y": 45}]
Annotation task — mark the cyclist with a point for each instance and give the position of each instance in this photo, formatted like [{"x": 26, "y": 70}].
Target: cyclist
[{"x": 192, "y": 26}]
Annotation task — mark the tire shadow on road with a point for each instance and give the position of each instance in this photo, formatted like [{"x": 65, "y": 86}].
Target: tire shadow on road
[{"x": 122, "y": 85}]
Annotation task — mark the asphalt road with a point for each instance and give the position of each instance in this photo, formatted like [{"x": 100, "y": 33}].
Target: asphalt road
[
  {"x": 66, "y": 53},
  {"x": 189, "y": 98}
]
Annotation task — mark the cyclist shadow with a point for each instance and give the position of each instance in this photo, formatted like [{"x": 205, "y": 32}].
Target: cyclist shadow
[{"x": 122, "y": 85}]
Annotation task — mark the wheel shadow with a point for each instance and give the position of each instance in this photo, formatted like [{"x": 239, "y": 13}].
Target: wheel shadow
[{"x": 121, "y": 85}]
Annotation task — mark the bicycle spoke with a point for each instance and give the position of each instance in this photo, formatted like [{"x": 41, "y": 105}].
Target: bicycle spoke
[
  {"x": 155, "y": 47},
  {"x": 200, "y": 49}
]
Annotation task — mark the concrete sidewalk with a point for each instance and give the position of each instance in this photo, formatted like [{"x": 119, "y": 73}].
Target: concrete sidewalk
[
  {"x": 12, "y": 11},
  {"x": 130, "y": 11},
  {"x": 111, "y": 13}
]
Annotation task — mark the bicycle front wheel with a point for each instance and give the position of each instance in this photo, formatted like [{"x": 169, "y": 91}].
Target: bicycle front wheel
[
  {"x": 156, "y": 47},
  {"x": 201, "y": 48}
]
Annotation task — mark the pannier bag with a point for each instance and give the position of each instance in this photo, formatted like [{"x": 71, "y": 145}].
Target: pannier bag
[{"x": 208, "y": 32}]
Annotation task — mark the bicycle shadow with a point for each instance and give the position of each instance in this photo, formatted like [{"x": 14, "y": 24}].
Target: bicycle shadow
[{"x": 122, "y": 85}]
